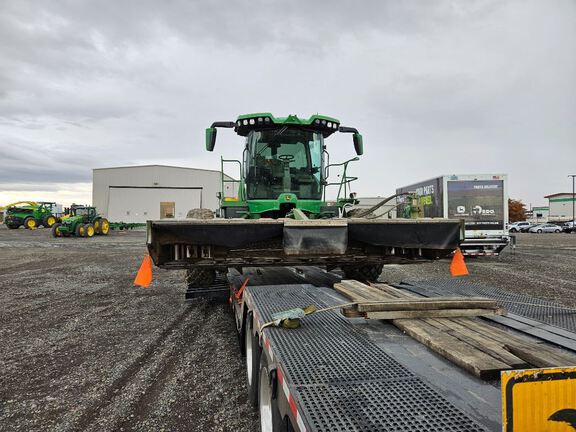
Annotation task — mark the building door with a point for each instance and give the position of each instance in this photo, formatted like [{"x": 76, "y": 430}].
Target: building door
[{"x": 167, "y": 209}]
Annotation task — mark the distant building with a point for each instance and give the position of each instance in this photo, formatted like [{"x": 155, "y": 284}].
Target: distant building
[
  {"x": 560, "y": 206},
  {"x": 538, "y": 214},
  {"x": 140, "y": 193}
]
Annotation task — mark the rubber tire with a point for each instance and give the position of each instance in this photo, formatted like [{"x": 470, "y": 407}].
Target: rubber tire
[
  {"x": 513, "y": 230},
  {"x": 104, "y": 226},
  {"x": 97, "y": 223},
  {"x": 199, "y": 277},
  {"x": 363, "y": 272},
  {"x": 557, "y": 231},
  {"x": 29, "y": 219},
  {"x": 55, "y": 231},
  {"x": 46, "y": 221},
  {"x": 13, "y": 226},
  {"x": 80, "y": 231},
  {"x": 539, "y": 231},
  {"x": 252, "y": 343},
  {"x": 274, "y": 423},
  {"x": 89, "y": 230}
]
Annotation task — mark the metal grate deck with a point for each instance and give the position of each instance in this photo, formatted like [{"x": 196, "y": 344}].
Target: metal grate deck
[
  {"x": 342, "y": 381},
  {"x": 520, "y": 304}
]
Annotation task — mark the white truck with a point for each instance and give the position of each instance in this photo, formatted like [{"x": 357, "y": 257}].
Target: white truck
[{"x": 481, "y": 200}]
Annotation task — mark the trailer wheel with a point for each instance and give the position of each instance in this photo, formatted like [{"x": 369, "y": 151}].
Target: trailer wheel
[
  {"x": 363, "y": 272},
  {"x": 270, "y": 420},
  {"x": 56, "y": 230},
  {"x": 199, "y": 277},
  {"x": 253, "y": 355}
]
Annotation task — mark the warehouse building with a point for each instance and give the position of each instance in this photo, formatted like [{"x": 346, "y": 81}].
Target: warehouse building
[
  {"x": 139, "y": 193},
  {"x": 560, "y": 206}
]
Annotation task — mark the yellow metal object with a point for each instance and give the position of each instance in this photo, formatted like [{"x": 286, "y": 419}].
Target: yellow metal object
[
  {"x": 104, "y": 227},
  {"x": 31, "y": 223},
  {"x": 81, "y": 231},
  {"x": 231, "y": 199},
  {"x": 29, "y": 203},
  {"x": 539, "y": 400},
  {"x": 90, "y": 231},
  {"x": 50, "y": 220}
]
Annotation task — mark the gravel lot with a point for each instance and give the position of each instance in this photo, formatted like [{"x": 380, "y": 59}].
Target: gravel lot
[{"x": 82, "y": 349}]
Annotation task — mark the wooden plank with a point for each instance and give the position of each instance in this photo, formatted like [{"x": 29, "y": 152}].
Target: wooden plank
[
  {"x": 475, "y": 361},
  {"x": 428, "y": 303},
  {"x": 432, "y": 313},
  {"x": 479, "y": 341},
  {"x": 395, "y": 291}
]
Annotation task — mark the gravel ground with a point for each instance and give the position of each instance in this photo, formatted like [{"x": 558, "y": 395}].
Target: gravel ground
[
  {"x": 542, "y": 265},
  {"x": 83, "y": 349}
]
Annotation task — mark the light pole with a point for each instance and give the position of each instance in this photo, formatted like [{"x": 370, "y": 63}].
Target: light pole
[{"x": 573, "y": 201}]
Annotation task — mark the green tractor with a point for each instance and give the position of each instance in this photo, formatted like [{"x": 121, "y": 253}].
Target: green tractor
[
  {"x": 83, "y": 221},
  {"x": 277, "y": 213},
  {"x": 30, "y": 214}
]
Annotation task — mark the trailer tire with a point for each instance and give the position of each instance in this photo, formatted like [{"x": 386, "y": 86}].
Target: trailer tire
[
  {"x": 270, "y": 419},
  {"x": 199, "y": 277},
  {"x": 363, "y": 272},
  {"x": 253, "y": 356}
]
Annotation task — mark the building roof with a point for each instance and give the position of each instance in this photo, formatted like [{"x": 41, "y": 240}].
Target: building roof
[
  {"x": 558, "y": 194},
  {"x": 158, "y": 166}
]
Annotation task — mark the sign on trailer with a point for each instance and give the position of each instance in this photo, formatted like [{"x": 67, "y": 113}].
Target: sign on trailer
[{"x": 539, "y": 400}]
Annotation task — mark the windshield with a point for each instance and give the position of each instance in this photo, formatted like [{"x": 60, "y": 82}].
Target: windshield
[
  {"x": 282, "y": 161},
  {"x": 82, "y": 211}
]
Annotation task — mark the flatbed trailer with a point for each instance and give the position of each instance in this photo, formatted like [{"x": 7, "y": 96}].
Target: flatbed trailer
[{"x": 347, "y": 374}]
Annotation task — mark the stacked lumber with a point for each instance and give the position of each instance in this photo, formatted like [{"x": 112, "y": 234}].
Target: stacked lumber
[{"x": 444, "y": 325}]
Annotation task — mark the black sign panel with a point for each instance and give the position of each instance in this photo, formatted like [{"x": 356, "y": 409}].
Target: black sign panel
[{"x": 479, "y": 202}]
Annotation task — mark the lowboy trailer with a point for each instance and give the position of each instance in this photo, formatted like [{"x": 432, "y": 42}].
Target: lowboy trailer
[{"x": 346, "y": 374}]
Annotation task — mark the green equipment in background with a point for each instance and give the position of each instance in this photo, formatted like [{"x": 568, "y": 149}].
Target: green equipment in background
[
  {"x": 83, "y": 221},
  {"x": 30, "y": 214}
]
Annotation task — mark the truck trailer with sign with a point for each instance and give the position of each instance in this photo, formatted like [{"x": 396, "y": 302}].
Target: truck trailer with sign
[{"x": 481, "y": 200}]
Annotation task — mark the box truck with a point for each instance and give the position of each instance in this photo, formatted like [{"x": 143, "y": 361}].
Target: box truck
[{"x": 481, "y": 200}]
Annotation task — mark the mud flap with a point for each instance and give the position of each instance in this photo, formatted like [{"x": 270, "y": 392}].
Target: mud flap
[{"x": 315, "y": 237}]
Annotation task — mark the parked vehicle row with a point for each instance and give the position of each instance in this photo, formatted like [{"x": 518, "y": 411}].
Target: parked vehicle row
[{"x": 541, "y": 228}]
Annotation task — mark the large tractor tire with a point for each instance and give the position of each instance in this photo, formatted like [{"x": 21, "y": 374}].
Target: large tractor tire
[
  {"x": 104, "y": 227},
  {"x": 199, "y": 278},
  {"x": 363, "y": 272},
  {"x": 89, "y": 230},
  {"x": 12, "y": 226},
  {"x": 97, "y": 225},
  {"x": 56, "y": 230},
  {"x": 80, "y": 230},
  {"x": 30, "y": 223},
  {"x": 49, "y": 221}
]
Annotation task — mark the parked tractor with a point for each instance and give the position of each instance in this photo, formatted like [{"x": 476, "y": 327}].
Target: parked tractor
[
  {"x": 30, "y": 214},
  {"x": 279, "y": 214},
  {"x": 83, "y": 221}
]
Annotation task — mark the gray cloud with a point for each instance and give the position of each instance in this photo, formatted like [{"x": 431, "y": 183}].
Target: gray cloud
[{"x": 435, "y": 86}]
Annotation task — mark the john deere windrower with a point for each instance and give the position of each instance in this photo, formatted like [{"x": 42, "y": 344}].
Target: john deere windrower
[{"x": 277, "y": 214}]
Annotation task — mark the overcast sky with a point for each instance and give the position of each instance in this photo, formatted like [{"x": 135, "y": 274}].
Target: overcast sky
[{"x": 436, "y": 87}]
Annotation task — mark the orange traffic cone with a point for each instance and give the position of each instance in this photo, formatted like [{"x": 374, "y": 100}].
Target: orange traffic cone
[
  {"x": 458, "y": 266},
  {"x": 144, "y": 276}
]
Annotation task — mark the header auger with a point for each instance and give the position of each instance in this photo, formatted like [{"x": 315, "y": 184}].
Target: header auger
[{"x": 277, "y": 214}]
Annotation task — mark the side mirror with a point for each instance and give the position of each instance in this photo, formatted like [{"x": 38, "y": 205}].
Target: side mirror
[
  {"x": 210, "y": 138},
  {"x": 358, "y": 144}
]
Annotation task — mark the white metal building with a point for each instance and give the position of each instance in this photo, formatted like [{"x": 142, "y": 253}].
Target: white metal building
[
  {"x": 560, "y": 205},
  {"x": 140, "y": 193}
]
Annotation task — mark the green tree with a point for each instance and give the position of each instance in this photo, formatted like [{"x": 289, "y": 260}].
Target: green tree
[{"x": 516, "y": 210}]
